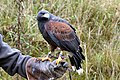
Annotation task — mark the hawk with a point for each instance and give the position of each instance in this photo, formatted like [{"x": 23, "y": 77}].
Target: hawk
[{"x": 59, "y": 33}]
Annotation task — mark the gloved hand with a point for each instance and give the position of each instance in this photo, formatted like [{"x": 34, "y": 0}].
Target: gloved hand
[{"x": 46, "y": 70}]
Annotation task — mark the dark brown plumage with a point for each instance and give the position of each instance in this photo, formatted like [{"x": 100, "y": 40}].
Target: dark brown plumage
[
  {"x": 61, "y": 30},
  {"x": 59, "y": 33}
]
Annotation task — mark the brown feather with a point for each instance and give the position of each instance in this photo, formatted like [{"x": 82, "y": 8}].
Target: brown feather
[{"x": 61, "y": 30}]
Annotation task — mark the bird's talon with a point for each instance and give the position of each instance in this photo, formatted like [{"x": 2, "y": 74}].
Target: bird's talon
[
  {"x": 58, "y": 60},
  {"x": 46, "y": 59}
]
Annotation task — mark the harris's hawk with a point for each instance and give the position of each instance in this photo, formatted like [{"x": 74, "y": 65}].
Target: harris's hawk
[{"x": 59, "y": 33}]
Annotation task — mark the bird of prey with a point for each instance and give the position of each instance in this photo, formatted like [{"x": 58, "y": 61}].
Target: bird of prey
[{"x": 59, "y": 33}]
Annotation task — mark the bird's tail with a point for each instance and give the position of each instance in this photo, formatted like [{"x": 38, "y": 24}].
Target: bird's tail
[{"x": 76, "y": 60}]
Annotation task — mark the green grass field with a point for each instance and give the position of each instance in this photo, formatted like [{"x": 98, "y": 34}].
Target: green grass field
[{"x": 97, "y": 24}]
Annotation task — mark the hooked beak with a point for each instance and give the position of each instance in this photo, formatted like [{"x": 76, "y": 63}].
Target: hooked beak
[{"x": 46, "y": 16}]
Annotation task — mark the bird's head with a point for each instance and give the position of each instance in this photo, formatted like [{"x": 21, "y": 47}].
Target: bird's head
[{"x": 43, "y": 16}]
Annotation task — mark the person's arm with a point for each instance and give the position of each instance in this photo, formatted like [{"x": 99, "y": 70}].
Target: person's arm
[{"x": 11, "y": 60}]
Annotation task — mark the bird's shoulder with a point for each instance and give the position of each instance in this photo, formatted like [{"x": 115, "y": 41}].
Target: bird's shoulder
[
  {"x": 58, "y": 19},
  {"x": 58, "y": 26},
  {"x": 61, "y": 30}
]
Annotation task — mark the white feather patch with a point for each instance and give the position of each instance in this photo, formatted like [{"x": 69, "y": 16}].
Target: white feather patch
[
  {"x": 73, "y": 68},
  {"x": 80, "y": 71}
]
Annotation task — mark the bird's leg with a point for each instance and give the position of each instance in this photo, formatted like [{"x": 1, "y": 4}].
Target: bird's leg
[
  {"x": 59, "y": 58},
  {"x": 47, "y": 57}
]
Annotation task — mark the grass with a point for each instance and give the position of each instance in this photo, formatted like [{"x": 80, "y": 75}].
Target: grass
[{"x": 97, "y": 24}]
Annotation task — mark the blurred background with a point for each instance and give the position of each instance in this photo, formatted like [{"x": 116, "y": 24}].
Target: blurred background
[{"x": 97, "y": 24}]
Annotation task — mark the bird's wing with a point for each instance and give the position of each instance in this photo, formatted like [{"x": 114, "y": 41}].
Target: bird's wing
[
  {"x": 55, "y": 18},
  {"x": 60, "y": 30},
  {"x": 63, "y": 33}
]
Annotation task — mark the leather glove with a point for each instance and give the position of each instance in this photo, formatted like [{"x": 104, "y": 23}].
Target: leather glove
[{"x": 36, "y": 69}]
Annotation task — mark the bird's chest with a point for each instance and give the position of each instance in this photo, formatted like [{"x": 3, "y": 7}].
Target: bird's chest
[
  {"x": 45, "y": 34},
  {"x": 41, "y": 28}
]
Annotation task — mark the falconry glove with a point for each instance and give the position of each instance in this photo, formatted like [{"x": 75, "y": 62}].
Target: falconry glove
[{"x": 36, "y": 69}]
